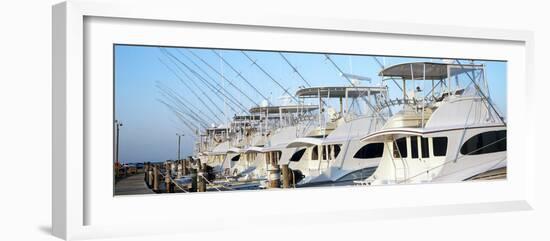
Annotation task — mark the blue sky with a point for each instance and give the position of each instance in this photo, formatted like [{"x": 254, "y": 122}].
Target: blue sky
[{"x": 149, "y": 128}]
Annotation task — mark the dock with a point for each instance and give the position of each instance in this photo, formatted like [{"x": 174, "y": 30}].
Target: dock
[{"x": 132, "y": 185}]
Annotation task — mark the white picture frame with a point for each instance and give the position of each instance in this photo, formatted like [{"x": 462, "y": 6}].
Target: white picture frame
[{"x": 72, "y": 193}]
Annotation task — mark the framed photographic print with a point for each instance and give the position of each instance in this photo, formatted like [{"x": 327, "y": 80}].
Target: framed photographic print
[{"x": 263, "y": 116}]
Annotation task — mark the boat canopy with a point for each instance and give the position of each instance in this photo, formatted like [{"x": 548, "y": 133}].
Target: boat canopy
[
  {"x": 235, "y": 150},
  {"x": 305, "y": 142},
  {"x": 274, "y": 148},
  {"x": 338, "y": 91},
  {"x": 253, "y": 149},
  {"x": 283, "y": 109},
  {"x": 246, "y": 117},
  {"x": 433, "y": 71}
]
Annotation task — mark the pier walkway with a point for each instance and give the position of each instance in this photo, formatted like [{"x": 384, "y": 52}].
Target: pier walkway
[{"x": 132, "y": 185}]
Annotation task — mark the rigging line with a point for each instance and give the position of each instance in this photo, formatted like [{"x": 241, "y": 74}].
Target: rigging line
[
  {"x": 351, "y": 82},
  {"x": 189, "y": 111},
  {"x": 177, "y": 125},
  {"x": 180, "y": 106},
  {"x": 218, "y": 88},
  {"x": 295, "y": 69},
  {"x": 221, "y": 75},
  {"x": 196, "y": 85},
  {"x": 393, "y": 79},
  {"x": 197, "y": 119},
  {"x": 176, "y": 111},
  {"x": 239, "y": 74},
  {"x": 489, "y": 102},
  {"x": 192, "y": 129},
  {"x": 192, "y": 91},
  {"x": 299, "y": 74},
  {"x": 179, "y": 101},
  {"x": 268, "y": 75},
  {"x": 213, "y": 88},
  {"x": 181, "y": 70},
  {"x": 187, "y": 123}
]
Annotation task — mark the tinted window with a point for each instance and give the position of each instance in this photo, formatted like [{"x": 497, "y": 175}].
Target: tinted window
[
  {"x": 371, "y": 150},
  {"x": 235, "y": 158},
  {"x": 277, "y": 155},
  {"x": 440, "y": 146},
  {"x": 414, "y": 147},
  {"x": 315, "y": 153},
  {"x": 400, "y": 148},
  {"x": 297, "y": 155},
  {"x": 425, "y": 147},
  {"x": 336, "y": 150},
  {"x": 488, "y": 142}
]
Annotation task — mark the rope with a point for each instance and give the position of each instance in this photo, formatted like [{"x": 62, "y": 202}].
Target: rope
[
  {"x": 203, "y": 177},
  {"x": 173, "y": 181}
]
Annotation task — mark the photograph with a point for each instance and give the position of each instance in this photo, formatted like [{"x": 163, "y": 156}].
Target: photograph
[{"x": 189, "y": 119}]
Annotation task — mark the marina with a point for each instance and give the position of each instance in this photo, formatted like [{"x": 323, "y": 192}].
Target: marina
[{"x": 415, "y": 121}]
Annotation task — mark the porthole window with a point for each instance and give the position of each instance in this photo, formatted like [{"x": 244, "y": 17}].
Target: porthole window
[
  {"x": 372, "y": 150},
  {"x": 484, "y": 143}
]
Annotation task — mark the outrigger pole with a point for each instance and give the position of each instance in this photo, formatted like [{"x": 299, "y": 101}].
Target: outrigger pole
[
  {"x": 489, "y": 102},
  {"x": 178, "y": 101},
  {"x": 239, "y": 74},
  {"x": 212, "y": 88},
  {"x": 183, "y": 118},
  {"x": 351, "y": 82},
  {"x": 295, "y": 69},
  {"x": 221, "y": 75},
  {"x": 269, "y": 76},
  {"x": 195, "y": 84},
  {"x": 185, "y": 121},
  {"x": 192, "y": 91},
  {"x": 206, "y": 83}
]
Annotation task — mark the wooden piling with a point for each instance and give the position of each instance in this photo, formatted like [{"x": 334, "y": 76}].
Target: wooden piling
[
  {"x": 156, "y": 178},
  {"x": 150, "y": 176},
  {"x": 168, "y": 181},
  {"x": 273, "y": 169},
  {"x": 179, "y": 169},
  {"x": 185, "y": 164},
  {"x": 286, "y": 175},
  {"x": 193, "y": 180},
  {"x": 201, "y": 177},
  {"x": 145, "y": 172}
]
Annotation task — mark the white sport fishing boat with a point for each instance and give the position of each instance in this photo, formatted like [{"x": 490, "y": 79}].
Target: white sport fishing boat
[
  {"x": 333, "y": 153},
  {"x": 281, "y": 124},
  {"x": 454, "y": 135}
]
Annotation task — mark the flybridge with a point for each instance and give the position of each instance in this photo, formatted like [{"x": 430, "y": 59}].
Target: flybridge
[
  {"x": 339, "y": 91},
  {"x": 427, "y": 70},
  {"x": 283, "y": 109}
]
